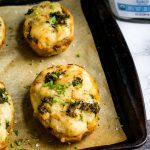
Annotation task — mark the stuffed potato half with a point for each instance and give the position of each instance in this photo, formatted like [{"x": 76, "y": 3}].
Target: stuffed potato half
[
  {"x": 48, "y": 28},
  {"x": 65, "y": 99},
  {"x": 6, "y": 116}
]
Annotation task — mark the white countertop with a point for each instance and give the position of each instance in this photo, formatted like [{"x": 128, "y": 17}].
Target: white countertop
[{"x": 137, "y": 37}]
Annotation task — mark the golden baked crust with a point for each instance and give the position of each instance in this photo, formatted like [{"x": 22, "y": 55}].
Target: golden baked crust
[
  {"x": 2, "y": 32},
  {"x": 65, "y": 99},
  {"x": 6, "y": 116},
  {"x": 49, "y": 28}
]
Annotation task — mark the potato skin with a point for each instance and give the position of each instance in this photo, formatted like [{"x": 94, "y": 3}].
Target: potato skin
[
  {"x": 9, "y": 130},
  {"x": 51, "y": 40},
  {"x": 2, "y": 32},
  {"x": 65, "y": 127}
]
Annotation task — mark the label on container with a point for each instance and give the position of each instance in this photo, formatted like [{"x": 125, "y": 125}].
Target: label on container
[{"x": 133, "y": 8}]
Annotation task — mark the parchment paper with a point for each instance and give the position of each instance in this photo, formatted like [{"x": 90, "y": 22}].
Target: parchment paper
[{"x": 19, "y": 65}]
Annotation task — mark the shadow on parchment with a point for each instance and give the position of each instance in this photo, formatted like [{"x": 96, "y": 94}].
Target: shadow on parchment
[
  {"x": 34, "y": 126},
  {"x": 23, "y": 46}
]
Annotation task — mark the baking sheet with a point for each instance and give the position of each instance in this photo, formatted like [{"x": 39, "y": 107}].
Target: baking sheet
[{"x": 19, "y": 65}]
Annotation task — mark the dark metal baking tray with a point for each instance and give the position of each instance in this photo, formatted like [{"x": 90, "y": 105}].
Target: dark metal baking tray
[
  {"x": 119, "y": 69},
  {"x": 120, "y": 72}
]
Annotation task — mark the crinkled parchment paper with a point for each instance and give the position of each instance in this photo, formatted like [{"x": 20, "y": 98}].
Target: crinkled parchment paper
[{"x": 19, "y": 65}]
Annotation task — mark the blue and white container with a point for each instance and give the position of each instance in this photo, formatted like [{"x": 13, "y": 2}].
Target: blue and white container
[{"x": 131, "y": 9}]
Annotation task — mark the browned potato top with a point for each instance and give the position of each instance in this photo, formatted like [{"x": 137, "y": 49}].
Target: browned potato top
[
  {"x": 48, "y": 28},
  {"x": 65, "y": 99}
]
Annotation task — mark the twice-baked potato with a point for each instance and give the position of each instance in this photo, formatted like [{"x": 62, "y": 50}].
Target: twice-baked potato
[
  {"x": 6, "y": 116},
  {"x": 48, "y": 28},
  {"x": 2, "y": 31},
  {"x": 65, "y": 98}
]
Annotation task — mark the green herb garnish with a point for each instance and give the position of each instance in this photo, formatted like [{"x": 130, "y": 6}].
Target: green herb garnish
[
  {"x": 50, "y": 80},
  {"x": 52, "y": 20},
  {"x": 78, "y": 55},
  {"x": 68, "y": 102},
  {"x": 60, "y": 89},
  {"x": 53, "y": 76},
  {"x": 84, "y": 106},
  {"x": 16, "y": 132},
  {"x": 49, "y": 84},
  {"x": 18, "y": 142},
  {"x": 55, "y": 100},
  {"x": 57, "y": 18}
]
